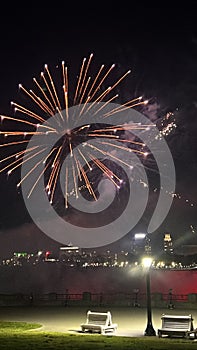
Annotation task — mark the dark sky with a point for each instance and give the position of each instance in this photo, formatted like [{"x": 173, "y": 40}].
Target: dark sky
[{"x": 159, "y": 44}]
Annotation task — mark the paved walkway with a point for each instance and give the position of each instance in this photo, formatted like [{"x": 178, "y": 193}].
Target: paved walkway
[{"x": 131, "y": 321}]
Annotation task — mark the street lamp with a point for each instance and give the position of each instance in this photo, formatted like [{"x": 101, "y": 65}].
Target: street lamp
[{"x": 149, "y": 331}]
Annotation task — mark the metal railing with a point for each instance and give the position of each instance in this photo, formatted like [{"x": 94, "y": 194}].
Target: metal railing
[{"x": 98, "y": 299}]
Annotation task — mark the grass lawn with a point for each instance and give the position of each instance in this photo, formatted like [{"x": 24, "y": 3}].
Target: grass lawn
[{"x": 29, "y": 336}]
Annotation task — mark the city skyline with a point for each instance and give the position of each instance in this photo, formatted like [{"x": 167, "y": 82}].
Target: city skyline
[{"x": 167, "y": 253}]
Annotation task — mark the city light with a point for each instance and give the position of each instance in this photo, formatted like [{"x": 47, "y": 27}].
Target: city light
[{"x": 147, "y": 261}]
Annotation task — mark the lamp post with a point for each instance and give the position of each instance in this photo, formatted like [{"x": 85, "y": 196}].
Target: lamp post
[{"x": 149, "y": 331}]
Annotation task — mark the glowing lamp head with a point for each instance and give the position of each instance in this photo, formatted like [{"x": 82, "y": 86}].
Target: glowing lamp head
[
  {"x": 140, "y": 235},
  {"x": 147, "y": 261}
]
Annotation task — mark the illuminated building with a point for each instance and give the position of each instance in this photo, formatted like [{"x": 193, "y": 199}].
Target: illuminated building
[
  {"x": 168, "y": 245},
  {"x": 141, "y": 244},
  {"x": 70, "y": 255}
]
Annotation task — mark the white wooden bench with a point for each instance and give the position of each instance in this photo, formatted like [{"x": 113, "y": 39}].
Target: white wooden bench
[
  {"x": 177, "y": 325},
  {"x": 99, "y": 322}
]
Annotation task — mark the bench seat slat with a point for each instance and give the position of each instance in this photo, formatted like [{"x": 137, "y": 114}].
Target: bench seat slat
[{"x": 175, "y": 328}]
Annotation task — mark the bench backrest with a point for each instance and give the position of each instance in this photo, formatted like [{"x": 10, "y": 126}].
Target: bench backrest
[
  {"x": 99, "y": 318},
  {"x": 177, "y": 322}
]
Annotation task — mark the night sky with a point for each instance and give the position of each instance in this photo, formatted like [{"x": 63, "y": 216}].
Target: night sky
[{"x": 157, "y": 42}]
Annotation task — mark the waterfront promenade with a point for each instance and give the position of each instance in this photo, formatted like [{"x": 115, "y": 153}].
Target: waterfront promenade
[{"x": 131, "y": 320}]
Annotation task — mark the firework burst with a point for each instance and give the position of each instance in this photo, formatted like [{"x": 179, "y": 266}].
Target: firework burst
[{"x": 49, "y": 101}]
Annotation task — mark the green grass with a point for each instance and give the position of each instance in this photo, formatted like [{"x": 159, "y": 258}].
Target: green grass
[
  {"x": 28, "y": 336},
  {"x": 10, "y": 327}
]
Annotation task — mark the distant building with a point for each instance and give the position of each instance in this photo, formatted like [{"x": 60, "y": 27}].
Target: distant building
[
  {"x": 70, "y": 255},
  {"x": 168, "y": 244},
  {"x": 140, "y": 244}
]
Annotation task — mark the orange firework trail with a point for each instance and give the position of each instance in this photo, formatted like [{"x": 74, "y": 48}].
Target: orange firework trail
[{"x": 49, "y": 103}]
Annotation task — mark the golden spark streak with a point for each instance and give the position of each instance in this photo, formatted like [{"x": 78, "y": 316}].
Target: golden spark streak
[
  {"x": 37, "y": 180},
  {"x": 86, "y": 161},
  {"x": 99, "y": 99},
  {"x": 26, "y": 122},
  {"x": 120, "y": 79},
  {"x": 23, "y": 161},
  {"x": 95, "y": 80},
  {"x": 50, "y": 92},
  {"x": 87, "y": 182},
  {"x": 101, "y": 96},
  {"x": 53, "y": 87},
  {"x": 109, "y": 89},
  {"x": 75, "y": 181},
  {"x": 109, "y": 172},
  {"x": 84, "y": 91},
  {"x": 56, "y": 173},
  {"x": 57, "y": 155},
  {"x": 66, "y": 188},
  {"x": 123, "y": 127},
  {"x": 108, "y": 154},
  {"x": 83, "y": 108},
  {"x": 52, "y": 174},
  {"x": 70, "y": 147},
  {"x": 123, "y": 148},
  {"x": 56, "y": 161},
  {"x": 42, "y": 103},
  {"x": 133, "y": 142},
  {"x": 123, "y": 107},
  {"x": 28, "y": 173},
  {"x": 45, "y": 96},
  {"x": 103, "y": 135},
  {"x": 33, "y": 98},
  {"x": 19, "y": 133},
  {"x": 17, "y": 154},
  {"x": 18, "y": 120},
  {"x": 78, "y": 170},
  {"x": 60, "y": 113},
  {"x": 63, "y": 74},
  {"x": 104, "y": 169},
  {"x": 102, "y": 80},
  {"x": 66, "y": 104},
  {"x": 105, "y": 104},
  {"x": 85, "y": 74},
  {"x": 65, "y": 88},
  {"x": 78, "y": 81},
  {"x": 14, "y": 143},
  {"x": 27, "y": 111}
]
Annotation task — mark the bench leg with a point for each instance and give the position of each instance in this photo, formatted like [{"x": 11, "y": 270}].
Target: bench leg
[
  {"x": 102, "y": 330},
  {"x": 194, "y": 333}
]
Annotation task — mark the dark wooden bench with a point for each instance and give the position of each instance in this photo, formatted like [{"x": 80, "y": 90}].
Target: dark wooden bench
[
  {"x": 177, "y": 326},
  {"x": 98, "y": 322}
]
